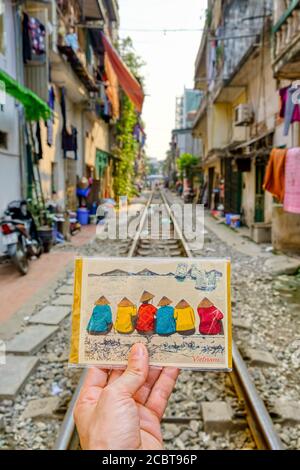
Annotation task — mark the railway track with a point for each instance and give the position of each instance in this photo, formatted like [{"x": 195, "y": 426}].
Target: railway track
[{"x": 258, "y": 419}]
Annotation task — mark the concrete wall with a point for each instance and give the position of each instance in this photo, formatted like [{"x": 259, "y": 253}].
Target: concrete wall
[
  {"x": 96, "y": 137},
  {"x": 263, "y": 96},
  {"x": 219, "y": 125},
  {"x": 91, "y": 135},
  {"x": 285, "y": 230},
  {"x": 248, "y": 195},
  {"x": 188, "y": 144}
]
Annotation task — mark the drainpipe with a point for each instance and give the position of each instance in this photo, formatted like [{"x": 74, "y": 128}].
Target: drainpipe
[{"x": 21, "y": 116}]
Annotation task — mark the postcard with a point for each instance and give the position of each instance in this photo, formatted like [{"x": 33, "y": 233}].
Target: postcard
[{"x": 179, "y": 308}]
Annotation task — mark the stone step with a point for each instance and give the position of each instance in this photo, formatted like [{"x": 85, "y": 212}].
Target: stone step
[
  {"x": 65, "y": 290},
  {"x": 65, "y": 300},
  {"x": 176, "y": 253},
  {"x": 241, "y": 323},
  {"x": 217, "y": 416},
  {"x": 14, "y": 374},
  {"x": 50, "y": 315},
  {"x": 41, "y": 408},
  {"x": 288, "y": 411},
  {"x": 260, "y": 358},
  {"x": 31, "y": 339}
]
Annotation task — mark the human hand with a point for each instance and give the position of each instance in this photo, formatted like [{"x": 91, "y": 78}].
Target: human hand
[{"x": 122, "y": 410}]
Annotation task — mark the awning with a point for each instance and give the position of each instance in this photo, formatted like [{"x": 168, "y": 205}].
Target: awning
[
  {"x": 112, "y": 90},
  {"x": 35, "y": 107},
  {"x": 130, "y": 85}
]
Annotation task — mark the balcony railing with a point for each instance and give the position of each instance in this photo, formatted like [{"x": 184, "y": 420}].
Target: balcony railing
[
  {"x": 201, "y": 111},
  {"x": 287, "y": 30}
]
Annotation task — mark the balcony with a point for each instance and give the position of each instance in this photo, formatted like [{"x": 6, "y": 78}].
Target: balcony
[
  {"x": 286, "y": 43},
  {"x": 70, "y": 66},
  {"x": 201, "y": 112}
]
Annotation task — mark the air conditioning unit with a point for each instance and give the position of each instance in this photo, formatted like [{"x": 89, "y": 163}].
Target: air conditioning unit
[{"x": 243, "y": 115}]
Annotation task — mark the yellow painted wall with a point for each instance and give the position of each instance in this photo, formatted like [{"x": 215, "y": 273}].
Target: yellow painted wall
[
  {"x": 218, "y": 122},
  {"x": 96, "y": 136},
  {"x": 91, "y": 135}
]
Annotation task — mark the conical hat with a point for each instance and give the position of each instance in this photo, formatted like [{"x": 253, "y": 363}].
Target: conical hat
[
  {"x": 146, "y": 296},
  {"x": 102, "y": 301},
  {"x": 182, "y": 304},
  {"x": 164, "y": 301},
  {"x": 205, "y": 303},
  {"x": 125, "y": 303}
]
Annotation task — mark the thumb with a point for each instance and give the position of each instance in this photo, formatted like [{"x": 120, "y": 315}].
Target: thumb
[{"x": 137, "y": 370}]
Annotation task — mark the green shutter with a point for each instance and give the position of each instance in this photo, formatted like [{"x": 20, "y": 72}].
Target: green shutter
[{"x": 101, "y": 162}]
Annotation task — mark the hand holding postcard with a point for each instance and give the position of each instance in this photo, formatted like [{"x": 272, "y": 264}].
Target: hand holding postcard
[{"x": 179, "y": 308}]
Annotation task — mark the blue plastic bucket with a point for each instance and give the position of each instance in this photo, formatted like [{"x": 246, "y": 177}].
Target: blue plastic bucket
[
  {"x": 83, "y": 216},
  {"x": 228, "y": 218}
]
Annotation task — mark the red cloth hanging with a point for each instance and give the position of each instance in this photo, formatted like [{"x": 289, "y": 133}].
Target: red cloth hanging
[
  {"x": 274, "y": 181},
  {"x": 130, "y": 85}
]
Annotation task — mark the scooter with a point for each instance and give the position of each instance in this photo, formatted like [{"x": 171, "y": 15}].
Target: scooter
[{"x": 19, "y": 235}]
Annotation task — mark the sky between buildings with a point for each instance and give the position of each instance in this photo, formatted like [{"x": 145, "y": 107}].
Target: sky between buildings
[{"x": 169, "y": 58}]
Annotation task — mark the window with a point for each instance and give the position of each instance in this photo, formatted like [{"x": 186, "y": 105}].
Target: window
[
  {"x": 2, "y": 32},
  {"x": 3, "y": 140}
]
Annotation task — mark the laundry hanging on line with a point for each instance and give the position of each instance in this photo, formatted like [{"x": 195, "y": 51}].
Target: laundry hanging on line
[
  {"x": 289, "y": 110},
  {"x": 274, "y": 181},
  {"x": 34, "y": 39},
  {"x": 50, "y": 121}
]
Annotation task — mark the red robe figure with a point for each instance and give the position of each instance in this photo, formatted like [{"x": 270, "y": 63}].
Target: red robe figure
[
  {"x": 145, "y": 324},
  {"x": 210, "y": 318}
]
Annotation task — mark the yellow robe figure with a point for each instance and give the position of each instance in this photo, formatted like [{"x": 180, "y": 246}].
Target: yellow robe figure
[
  {"x": 126, "y": 316},
  {"x": 185, "y": 318}
]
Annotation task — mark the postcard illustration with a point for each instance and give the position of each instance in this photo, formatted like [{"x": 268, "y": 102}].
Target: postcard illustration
[{"x": 180, "y": 308}]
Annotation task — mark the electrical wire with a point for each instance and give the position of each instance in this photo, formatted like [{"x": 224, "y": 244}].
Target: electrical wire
[{"x": 164, "y": 30}]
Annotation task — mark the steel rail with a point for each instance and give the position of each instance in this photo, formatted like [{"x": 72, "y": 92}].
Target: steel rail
[
  {"x": 258, "y": 418},
  {"x": 67, "y": 438}
]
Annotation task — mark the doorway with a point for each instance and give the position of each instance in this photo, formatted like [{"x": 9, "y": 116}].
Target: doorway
[
  {"x": 233, "y": 187},
  {"x": 211, "y": 177},
  {"x": 260, "y": 169}
]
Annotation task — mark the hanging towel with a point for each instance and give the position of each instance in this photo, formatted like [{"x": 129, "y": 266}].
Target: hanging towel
[
  {"x": 292, "y": 181},
  {"x": 288, "y": 110},
  {"x": 275, "y": 174},
  {"x": 50, "y": 121}
]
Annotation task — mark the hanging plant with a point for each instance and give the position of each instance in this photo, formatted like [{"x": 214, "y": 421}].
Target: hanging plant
[
  {"x": 126, "y": 149},
  {"x": 126, "y": 145}
]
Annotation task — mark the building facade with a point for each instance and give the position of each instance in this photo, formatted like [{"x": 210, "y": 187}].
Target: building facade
[
  {"x": 55, "y": 50},
  {"x": 238, "y": 119},
  {"x": 10, "y": 157},
  {"x": 183, "y": 139},
  {"x": 60, "y": 101}
]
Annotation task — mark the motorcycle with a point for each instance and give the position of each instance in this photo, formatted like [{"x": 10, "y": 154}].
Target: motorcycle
[{"x": 19, "y": 235}]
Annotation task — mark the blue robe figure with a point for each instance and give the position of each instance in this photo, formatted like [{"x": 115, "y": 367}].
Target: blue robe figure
[
  {"x": 101, "y": 320},
  {"x": 165, "y": 324}
]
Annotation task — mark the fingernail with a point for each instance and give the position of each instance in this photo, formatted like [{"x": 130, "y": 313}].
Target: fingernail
[{"x": 138, "y": 350}]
